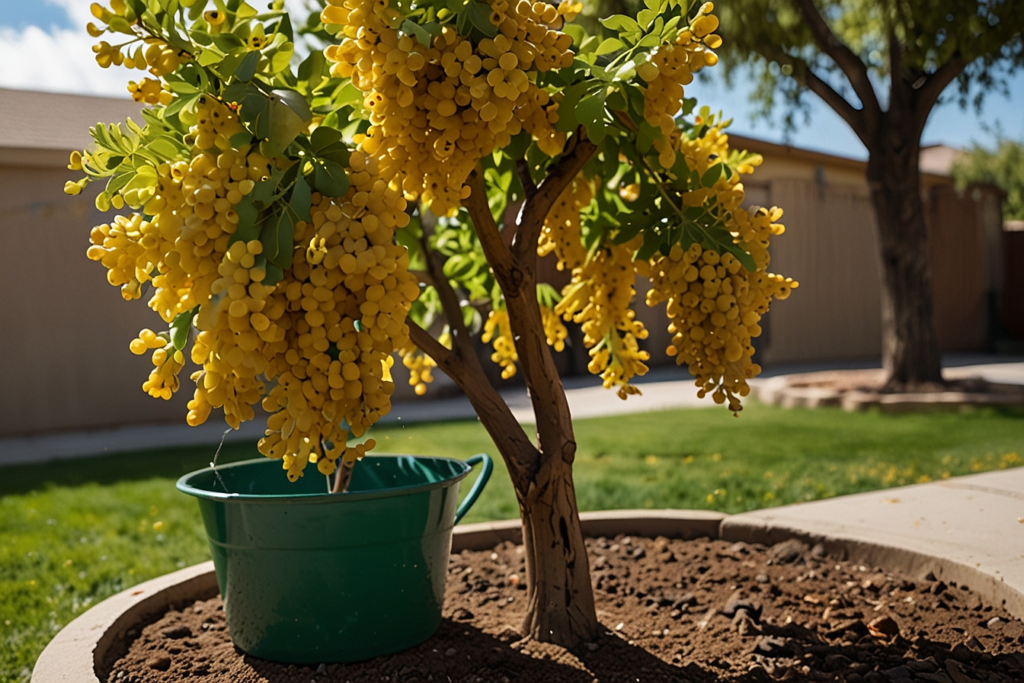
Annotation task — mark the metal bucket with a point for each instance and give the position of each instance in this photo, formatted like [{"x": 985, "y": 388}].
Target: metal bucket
[{"x": 310, "y": 577}]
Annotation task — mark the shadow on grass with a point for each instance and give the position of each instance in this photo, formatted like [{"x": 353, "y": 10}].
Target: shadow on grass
[{"x": 167, "y": 463}]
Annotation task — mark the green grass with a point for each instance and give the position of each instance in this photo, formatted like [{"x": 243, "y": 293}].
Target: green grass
[{"x": 75, "y": 532}]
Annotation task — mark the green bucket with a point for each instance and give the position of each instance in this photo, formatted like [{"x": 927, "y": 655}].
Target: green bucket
[{"x": 310, "y": 577}]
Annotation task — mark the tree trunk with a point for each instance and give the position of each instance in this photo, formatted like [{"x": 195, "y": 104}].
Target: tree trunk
[
  {"x": 560, "y": 600},
  {"x": 910, "y": 347}
]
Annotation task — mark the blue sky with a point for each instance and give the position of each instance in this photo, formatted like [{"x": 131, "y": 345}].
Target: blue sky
[{"x": 44, "y": 46}]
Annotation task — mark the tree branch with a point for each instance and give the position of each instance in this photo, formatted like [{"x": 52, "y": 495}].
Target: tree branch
[
  {"x": 531, "y": 218},
  {"x": 523, "y": 171},
  {"x": 927, "y": 95},
  {"x": 803, "y": 74},
  {"x": 850, "y": 64},
  {"x": 520, "y": 455},
  {"x": 498, "y": 255},
  {"x": 449, "y": 300}
]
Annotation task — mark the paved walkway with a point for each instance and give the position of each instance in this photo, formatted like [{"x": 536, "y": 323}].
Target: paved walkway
[
  {"x": 662, "y": 389},
  {"x": 976, "y": 522}
]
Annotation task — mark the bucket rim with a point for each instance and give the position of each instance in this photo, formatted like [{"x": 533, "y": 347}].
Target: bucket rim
[{"x": 183, "y": 484}]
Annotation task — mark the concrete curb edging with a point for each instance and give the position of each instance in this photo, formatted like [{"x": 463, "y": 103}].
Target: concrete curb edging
[
  {"x": 87, "y": 643},
  {"x": 799, "y": 391},
  {"x": 990, "y": 588}
]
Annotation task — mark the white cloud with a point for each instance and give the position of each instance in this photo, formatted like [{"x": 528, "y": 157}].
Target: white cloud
[{"x": 61, "y": 61}]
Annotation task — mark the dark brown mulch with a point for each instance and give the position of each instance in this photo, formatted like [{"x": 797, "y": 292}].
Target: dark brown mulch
[{"x": 695, "y": 611}]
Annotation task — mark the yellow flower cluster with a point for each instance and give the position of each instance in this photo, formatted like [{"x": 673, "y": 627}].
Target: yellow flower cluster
[
  {"x": 671, "y": 68},
  {"x": 323, "y": 334},
  {"x": 598, "y": 296},
  {"x": 714, "y": 303},
  {"x": 346, "y": 300},
  {"x": 167, "y": 362},
  {"x": 150, "y": 53},
  {"x": 436, "y": 111},
  {"x": 420, "y": 367},
  {"x": 498, "y": 333},
  {"x": 149, "y": 91}
]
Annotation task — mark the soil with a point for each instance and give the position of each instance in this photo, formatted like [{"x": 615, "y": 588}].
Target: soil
[{"x": 694, "y": 611}]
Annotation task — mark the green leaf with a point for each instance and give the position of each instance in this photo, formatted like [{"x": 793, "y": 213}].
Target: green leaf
[
  {"x": 311, "y": 70},
  {"x": 180, "y": 328},
  {"x": 609, "y": 45},
  {"x": 323, "y": 137},
  {"x": 301, "y": 199},
  {"x": 571, "y": 96},
  {"x": 274, "y": 275},
  {"x": 711, "y": 176},
  {"x": 277, "y": 237},
  {"x": 181, "y": 88},
  {"x": 413, "y": 29},
  {"x": 480, "y": 18},
  {"x": 247, "y": 229},
  {"x": 288, "y": 114},
  {"x": 329, "y": 178},
  {"x": 621, "y": 23},
  {"x": 590, "y": 113},
  {"x": 282, "y": 58},
  {"x": 210, "y": 56},
  {"x": 247, "y": 69}
]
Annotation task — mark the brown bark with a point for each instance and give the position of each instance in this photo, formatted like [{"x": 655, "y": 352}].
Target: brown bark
[
  {"x": 910, "y": 346},
  {"x": 560, "y": 597}
]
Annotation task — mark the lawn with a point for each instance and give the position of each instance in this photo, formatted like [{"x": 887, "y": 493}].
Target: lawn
[{"x": 75, "y": 532}]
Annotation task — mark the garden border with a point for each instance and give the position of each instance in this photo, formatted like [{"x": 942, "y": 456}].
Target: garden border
[{"x": 88, "y": 642}]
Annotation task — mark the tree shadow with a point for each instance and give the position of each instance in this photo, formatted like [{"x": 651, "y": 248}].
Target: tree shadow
[{"x": 462, "y": 653}]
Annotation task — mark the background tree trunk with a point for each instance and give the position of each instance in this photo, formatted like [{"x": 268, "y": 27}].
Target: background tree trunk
[{"x": 910, "y": 346}]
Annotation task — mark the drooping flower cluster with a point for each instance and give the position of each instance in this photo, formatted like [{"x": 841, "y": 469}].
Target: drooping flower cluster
[{"x": 436, "y": 111}]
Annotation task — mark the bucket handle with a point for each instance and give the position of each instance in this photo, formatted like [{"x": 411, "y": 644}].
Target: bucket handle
[{"x": 478, "y": 485}]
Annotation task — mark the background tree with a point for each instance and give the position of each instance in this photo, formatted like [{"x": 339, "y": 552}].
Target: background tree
[
  {"x": 882, "y": 65},
  {"x": 1002, "y": 167},
  {"x": 393, "y": 193}
]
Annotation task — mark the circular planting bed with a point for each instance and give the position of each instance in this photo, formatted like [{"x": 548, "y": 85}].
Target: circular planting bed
[
  {"x": 674, "y": 609},
  {"x": 856, "y": 390}
]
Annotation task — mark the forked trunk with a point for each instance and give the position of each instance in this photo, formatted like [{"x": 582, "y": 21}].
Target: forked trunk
[{"x": 910, "y": 346}]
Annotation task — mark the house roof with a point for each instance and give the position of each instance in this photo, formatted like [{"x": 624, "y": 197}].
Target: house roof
[{"x": 50, "y": 121}]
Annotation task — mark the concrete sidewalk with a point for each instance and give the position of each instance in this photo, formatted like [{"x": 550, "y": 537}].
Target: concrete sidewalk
[
  {"x": 663, "y": 388},
  {"x": 976, "y": 522}
]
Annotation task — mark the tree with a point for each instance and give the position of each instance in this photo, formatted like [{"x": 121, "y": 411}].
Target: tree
[
  {"x": 882, "y": 66},
  {"x": 396, "y": 196},
  {"x": 1003, "y": 167}
]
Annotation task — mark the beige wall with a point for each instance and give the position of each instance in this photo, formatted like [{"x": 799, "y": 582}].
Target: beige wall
[{"x": 65, "y": 331}]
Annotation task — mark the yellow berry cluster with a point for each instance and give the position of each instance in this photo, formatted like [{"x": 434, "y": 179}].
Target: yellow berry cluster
[
  {"x": 345, "y": 303},
  {"x": 436, "y": 111},
  {"x": 672, "y": 67},
  {"x": 149, "y": 91},
  {"x": 150, "y": 53},
  {"x": 420, "y": 367},
  {"x": 599, "y": 294},
  {"x": 714, "y": 303},
  {"x": 498, "y": 333},
  {"x": 167, "y": 362}
]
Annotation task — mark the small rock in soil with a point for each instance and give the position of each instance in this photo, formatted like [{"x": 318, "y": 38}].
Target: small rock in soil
[
  {"x": 788, "y": 552},
  {"x": 770, "y": 646},
  {"x": 884, "y": 627},
  {"x": 177, "y": 633}
]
